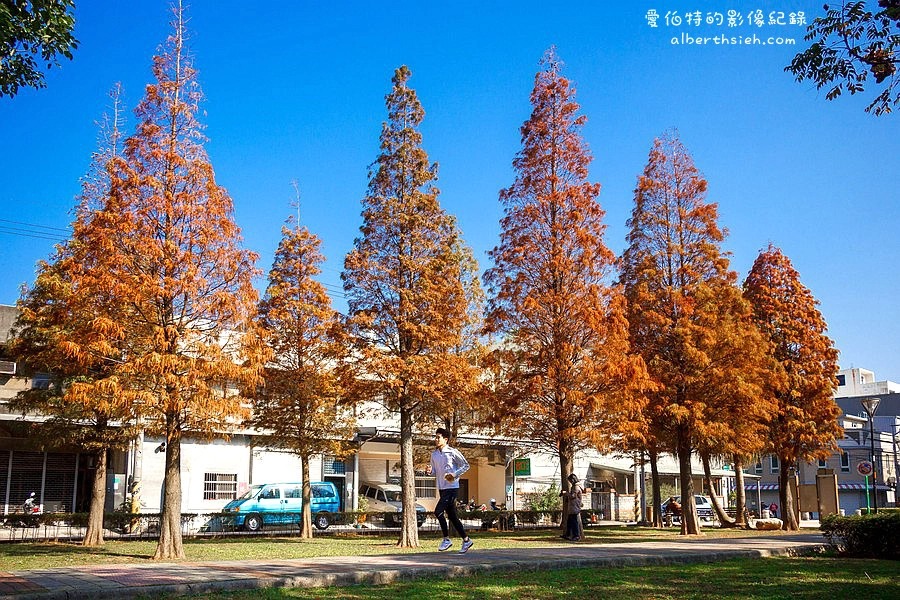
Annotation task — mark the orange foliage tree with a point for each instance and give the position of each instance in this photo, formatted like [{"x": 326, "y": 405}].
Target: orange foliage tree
[
  {"x": 298, "y": 407},
  {"x": 52, "y": 312},
  {"x": 804, "y": 424},
  {"x": 406, "y": 280},
  {"x": 172, "y": 331},
  {"x": 566, "y": 378},
  {"x": 687, "y": 320}
]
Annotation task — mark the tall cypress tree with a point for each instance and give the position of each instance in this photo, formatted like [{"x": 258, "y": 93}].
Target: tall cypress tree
[
  {"x": 567, "y": 378},
  {"x": 804, "y": 423},
  {"x": 409, "y": 288},
  {"x": 686, "y": 316}
]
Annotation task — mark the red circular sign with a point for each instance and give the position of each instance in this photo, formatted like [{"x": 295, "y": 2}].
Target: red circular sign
[{"x": 864, "y": 468}]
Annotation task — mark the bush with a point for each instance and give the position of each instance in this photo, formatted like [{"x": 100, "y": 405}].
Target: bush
[
  {"x": 545, "y": 501},
  {"x": 871, "y": 535}
]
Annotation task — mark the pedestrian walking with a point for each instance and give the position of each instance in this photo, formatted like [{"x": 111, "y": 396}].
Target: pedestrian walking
[
  {"x": 575, "y": 496},
  {"x": 447, "y": 464}
]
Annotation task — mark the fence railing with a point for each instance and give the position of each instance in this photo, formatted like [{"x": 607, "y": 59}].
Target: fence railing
[{"x": 142, "y": 526}]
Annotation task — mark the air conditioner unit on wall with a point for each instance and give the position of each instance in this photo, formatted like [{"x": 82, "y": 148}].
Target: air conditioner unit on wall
[{"x": 7, "y": 367}]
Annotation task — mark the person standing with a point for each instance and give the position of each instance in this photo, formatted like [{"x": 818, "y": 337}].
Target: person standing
[
  {"x": 573, "y": 518},
  {"x": 773, "y": 510},
  {"x": 447, "y": 464}
]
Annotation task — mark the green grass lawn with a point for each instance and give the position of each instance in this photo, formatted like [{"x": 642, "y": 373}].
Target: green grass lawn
[
  {"x": 744, "y": 579},
  {"x": 16, "y": 556}
]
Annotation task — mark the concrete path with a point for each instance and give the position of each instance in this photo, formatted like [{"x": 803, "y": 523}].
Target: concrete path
[{"x": 122, "y": 581}]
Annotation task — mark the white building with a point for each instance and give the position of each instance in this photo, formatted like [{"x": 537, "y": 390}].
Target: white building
[{"x": 861, "y": 382}]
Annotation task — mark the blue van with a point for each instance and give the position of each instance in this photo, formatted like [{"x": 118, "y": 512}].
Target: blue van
[{"x": 281, "y": 503}]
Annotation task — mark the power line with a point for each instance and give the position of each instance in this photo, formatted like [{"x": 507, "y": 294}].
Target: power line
[
  {"x": 32, "y": 225},
  {"x": 31, "y": 234}
]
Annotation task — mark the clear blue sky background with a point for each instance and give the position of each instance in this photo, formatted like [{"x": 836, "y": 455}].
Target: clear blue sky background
[{"x": 295, "y": 90}]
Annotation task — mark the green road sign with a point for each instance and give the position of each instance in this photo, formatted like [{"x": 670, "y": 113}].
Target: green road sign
[{"x": 522, "y": 467}]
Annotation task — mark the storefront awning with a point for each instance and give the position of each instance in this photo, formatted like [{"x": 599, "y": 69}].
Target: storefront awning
[
  {"x": 765, "y": 487},
  {"x": 771, "y": 487}
]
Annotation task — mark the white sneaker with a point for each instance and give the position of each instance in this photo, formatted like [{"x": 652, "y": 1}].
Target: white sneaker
[
  {"x": 466, "y": 545},
  {"x": 445, "y": 544}
]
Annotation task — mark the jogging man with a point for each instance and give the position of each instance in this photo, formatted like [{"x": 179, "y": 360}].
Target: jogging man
[{"x": 447, "y": 464}]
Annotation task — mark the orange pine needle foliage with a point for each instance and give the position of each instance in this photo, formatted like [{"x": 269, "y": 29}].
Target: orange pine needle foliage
[
  {"x": 64, "y": 332},
  {"x": 408, "y": 283},
  {"x": 299, "y": 406},
  {"x": 688, "y": 320},
  {"x": 804, "y": 422},
  {"x": 565, "y": 378},
  {"x": 159, "y": 288}
]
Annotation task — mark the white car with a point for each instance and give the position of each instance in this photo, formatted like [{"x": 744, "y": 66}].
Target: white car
[
  {"x": 705, "y": 510},
  {"x": 387, "y": 498}
]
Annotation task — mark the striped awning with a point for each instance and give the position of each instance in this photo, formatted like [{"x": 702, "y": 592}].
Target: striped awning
[
  {"x": 860, "y": 486},
  {"x": 773, "y": 487},
  {"x": 765, "y": 487}
]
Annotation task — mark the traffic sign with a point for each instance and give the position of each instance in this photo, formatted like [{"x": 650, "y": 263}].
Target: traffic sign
[{"x": 864, "y": 468}]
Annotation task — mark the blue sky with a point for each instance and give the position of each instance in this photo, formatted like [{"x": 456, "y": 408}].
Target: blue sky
[{"x": 295, "y": 91}]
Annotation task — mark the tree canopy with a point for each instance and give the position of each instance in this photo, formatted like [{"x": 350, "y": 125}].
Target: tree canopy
[
  {"x": 851, "y": 43},
  {"x": 33, "y": 34}
]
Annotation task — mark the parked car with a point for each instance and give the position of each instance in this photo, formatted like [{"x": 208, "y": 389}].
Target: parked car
[
  {"x": 279, "y": 503},
  {"x": 387, "y": 498},
  {"x": 704, "y": 508}
]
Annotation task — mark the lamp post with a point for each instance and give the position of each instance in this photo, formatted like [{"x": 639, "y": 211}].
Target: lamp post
[{"x": 871, "y": 405}]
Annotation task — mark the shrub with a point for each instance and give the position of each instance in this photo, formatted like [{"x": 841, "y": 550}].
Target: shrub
[
  {"x": 871, "y": 535},
  {"x": 544, "y": 501}
]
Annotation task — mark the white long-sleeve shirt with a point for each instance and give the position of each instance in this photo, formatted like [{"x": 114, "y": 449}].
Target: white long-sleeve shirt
[{"x": 448, "y": 460}]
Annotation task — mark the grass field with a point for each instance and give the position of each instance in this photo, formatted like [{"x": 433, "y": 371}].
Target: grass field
[
  {"x": 16, "y": 556},
  {"x": 744, "y": 579}
]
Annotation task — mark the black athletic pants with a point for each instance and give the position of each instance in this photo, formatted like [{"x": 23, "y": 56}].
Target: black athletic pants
[{"x": 447, "y": 504}]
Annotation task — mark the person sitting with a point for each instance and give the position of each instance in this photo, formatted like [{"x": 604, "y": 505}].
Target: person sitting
[{"x": 673, "y": 510}]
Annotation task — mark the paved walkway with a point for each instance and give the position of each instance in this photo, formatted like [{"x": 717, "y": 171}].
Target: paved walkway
[{"x": 122, "y": 581}]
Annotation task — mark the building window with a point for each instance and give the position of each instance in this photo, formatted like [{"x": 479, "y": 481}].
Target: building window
[
  {"x": 334, "y": 466},
  {"x": 426, "y": 487},
  {"x": 823, "y": 463},
  {"x": 773, "y": 464},
  {"x": 845, "y": 462},
  {"x": 758, "y": 468},
  {"x": 841, "y": 380},
  {"x": 220, "y": 486},
  {"x": 42, "y": 381}
]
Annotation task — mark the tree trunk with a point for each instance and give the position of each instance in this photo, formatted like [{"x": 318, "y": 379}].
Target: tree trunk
[
  {"x": 724, "y": 519},
  {"x": 786, "y": 512},
  {"x": 689, "y": 523},
  {"x": 657, "y": 497},
  {"x": 740, "y": 495},
  {"x": 306, "y": 515},
  {"x": 93, "y": 536},
  {"x": 170, "y": 542},
  {"x": 566, "y": 467},
  {"x": 409, "y": 528}
]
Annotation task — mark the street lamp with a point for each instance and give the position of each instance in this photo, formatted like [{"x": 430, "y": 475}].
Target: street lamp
[{"x": 871, "y": 405}]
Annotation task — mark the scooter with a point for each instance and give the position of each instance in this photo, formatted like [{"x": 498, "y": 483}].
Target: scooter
[{"x": 29, "y": 515}]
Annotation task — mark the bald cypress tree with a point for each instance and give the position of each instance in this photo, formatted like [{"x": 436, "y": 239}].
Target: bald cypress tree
[{"x": 408, "y": 283}]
